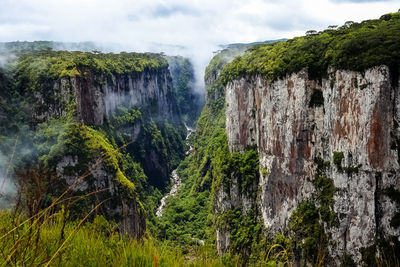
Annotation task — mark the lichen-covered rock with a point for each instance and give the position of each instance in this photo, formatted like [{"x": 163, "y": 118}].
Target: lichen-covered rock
[{"x": 292, "y": 126}]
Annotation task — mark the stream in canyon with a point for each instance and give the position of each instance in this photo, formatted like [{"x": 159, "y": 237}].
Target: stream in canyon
[{"x": 175, "y": 179}]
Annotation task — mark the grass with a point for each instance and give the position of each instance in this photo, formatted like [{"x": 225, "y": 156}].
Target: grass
[{"x": 54, "y": 242}]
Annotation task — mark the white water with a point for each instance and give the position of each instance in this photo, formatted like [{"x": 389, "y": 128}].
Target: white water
[
  {"x": 189, "y": 132},
  {"x": 175, "y": 179},
  {"x": 176, "y": 183}
]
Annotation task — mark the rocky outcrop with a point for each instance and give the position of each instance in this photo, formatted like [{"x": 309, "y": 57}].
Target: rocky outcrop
[
  {"x": 230, "y": 198},
  {"x": 118, "y": 205},
  {"x": 95, "y": 96},
  {"x": 349, "y": 119}
]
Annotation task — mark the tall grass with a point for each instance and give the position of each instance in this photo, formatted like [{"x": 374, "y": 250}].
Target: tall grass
[{"x": 56, "y": 242}]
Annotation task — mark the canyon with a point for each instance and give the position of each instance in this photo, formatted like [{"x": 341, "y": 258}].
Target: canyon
[{"x": 294, "y": 158}]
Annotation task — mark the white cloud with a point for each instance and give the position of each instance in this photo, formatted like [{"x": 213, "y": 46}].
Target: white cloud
[
  {"x": 175, "y": 21},
  {"x": 199, "y": 25}
]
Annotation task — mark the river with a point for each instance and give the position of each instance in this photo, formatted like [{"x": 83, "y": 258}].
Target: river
[{"x": 175, "y": 179}]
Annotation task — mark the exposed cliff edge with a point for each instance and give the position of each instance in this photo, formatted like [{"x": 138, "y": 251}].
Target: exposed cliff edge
[{"x": 356, "y": 119}]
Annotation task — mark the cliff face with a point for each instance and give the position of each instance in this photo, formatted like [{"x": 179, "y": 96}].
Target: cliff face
[
  {"x": 97, "y": 95},
  {"x": 349, "y": 121}
]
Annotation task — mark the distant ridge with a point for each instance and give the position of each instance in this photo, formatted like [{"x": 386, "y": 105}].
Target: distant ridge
[
  {"x": 21, "y": 46},
  {"x": 253, "y": 43}
]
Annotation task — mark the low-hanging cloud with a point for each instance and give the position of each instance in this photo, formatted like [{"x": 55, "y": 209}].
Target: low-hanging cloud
[
  {"x": 7, "y": 186},
  {"x": 5, "y": 59}
]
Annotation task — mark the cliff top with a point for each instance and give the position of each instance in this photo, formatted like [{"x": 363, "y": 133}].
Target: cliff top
[
  {"x": 353, "y": 46},
  {"x": 57, "y": 64}
]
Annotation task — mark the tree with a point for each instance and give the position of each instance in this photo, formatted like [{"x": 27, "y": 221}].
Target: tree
[
  {"x": 348, "y": 24},
  {"x": 311, "y": 32}
]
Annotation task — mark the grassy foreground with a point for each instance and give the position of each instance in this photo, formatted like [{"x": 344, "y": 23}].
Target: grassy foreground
[{"x": 53, "y": 241}]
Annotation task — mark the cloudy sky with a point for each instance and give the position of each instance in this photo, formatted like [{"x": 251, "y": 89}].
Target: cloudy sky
[{"x": 199, "y": 25}]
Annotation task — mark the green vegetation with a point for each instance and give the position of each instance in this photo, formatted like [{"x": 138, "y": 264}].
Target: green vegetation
[
  {"x": 132, "y": 149},
  {"x": 24, "y": 46},
  {"x": 347, "y": 261},
  {"x": 187, "y": 218},
  {"x": 317, "y": 98},
  {"x": 52, "y": 241},
  {"x": 37, "y": 74},
  {"x": 124, "y": 147},
  {"x": 123, "y": 116},
  {"x": 309, "y": 232},
  {"x": 214, "y": 88},
  {"x": 384, "y": 252},
  {"x": 35, "y": 68},
  {"x": 352, "y": 169},
  {"x": 265, "y": 172},
  {"x": 189, "y": 101},
  {"x": 188, "y": 214},
  {"x": 244, "y": 230},
  {"x": 244, "y": 166},
  {"x": 354, "y": 46},
  {"x": 215, "y": 66},
  {"x": 137, "y": 151},
  {"x": 308, "y": 223},
  {"x": 325, "y": 190},
  {"x": 349, "y": 170},
  {"x": 394, "y": 195},
  {"x": 321, "y": 165},
  {"x": 226, "y": 55},
  {"x": 85, "y": 148},
  {"x": 337, "y": 159}
]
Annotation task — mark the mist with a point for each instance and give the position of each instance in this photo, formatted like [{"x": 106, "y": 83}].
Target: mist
[
  {"x": 5, "y": 59},
  {"x": 199, "y": 54},
  {"x": 8, "y": 188}
]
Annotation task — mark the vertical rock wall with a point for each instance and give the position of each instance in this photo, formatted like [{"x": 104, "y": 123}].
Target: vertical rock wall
[
  {"x": 359, "y": 117},
  {"x": 95, "y": 96}
]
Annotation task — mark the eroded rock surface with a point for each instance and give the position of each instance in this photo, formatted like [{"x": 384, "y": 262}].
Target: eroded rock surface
[
  {"x": 96, "y": 96},
  {"x": 359, "y": 116}
]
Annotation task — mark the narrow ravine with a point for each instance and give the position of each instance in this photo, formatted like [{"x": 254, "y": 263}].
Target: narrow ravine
[{"x": 175, "y": 179}]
